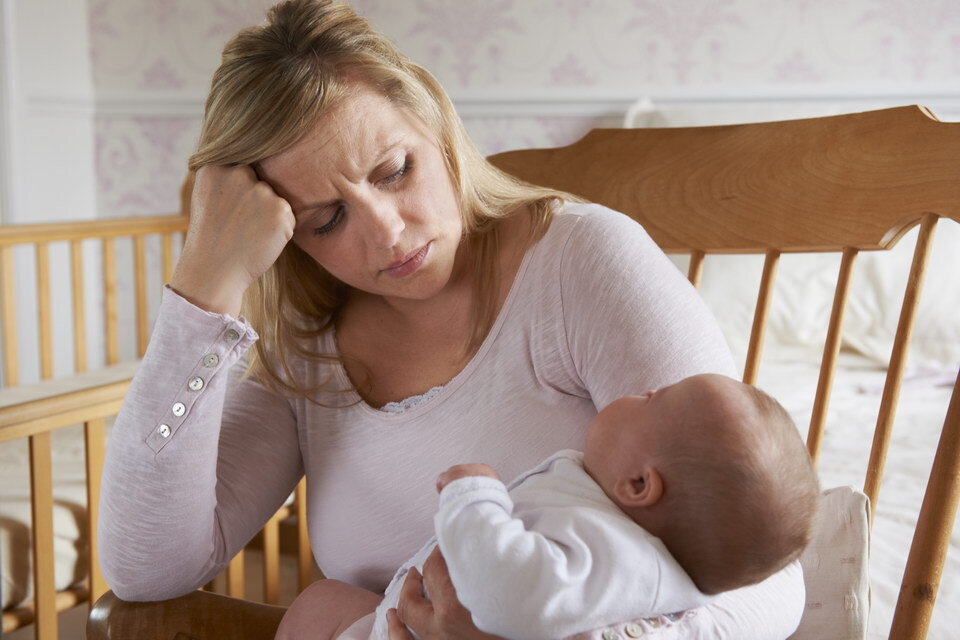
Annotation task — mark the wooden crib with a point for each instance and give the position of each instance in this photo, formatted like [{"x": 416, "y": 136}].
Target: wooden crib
[
  {"x": 844, "y": 184},
  {"x": 88, "y": 395}
]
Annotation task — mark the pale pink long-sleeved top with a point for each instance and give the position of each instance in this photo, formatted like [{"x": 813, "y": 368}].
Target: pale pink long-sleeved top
[{"x": 199, "y": 459}]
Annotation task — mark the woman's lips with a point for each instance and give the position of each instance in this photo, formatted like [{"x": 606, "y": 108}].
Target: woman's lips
[{"x": 409, "y": 264}]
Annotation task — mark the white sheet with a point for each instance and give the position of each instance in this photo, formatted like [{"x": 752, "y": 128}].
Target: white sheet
[
  {"x": 852, "y": 416},
  {"x": 845, "y": 451}
]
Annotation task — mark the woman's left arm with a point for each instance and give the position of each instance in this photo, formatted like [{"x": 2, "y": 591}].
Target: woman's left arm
[{"x": 633, "y": 323}]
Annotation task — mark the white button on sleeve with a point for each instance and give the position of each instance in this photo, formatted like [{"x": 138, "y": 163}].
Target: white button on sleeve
[
  {"x": 179, "y": 409},
  {"x": 211, "y": 360},
  {"x": 196, "y": 383},
  {"x": 164, "y": 431},
  {"x": 232, "y": 335}
]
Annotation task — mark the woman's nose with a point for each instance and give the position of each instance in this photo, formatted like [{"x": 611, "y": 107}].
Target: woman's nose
[{"x": 385, "y": 224}]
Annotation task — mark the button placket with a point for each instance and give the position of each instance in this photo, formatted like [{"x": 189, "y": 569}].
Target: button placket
[
  {"x": 164, "y": 430},
  {"x": 178, "y": 409},
  {"x": 195, "y": 383}
]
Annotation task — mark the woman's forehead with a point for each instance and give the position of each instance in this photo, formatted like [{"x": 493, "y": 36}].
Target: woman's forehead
[{"x": 350, "y": 139}]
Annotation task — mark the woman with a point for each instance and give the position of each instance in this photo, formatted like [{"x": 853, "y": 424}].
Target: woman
[{"x": 405, "y": 307}]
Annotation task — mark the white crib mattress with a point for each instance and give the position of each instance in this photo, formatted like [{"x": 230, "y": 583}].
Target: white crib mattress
[{"x": 852, "y": 415}]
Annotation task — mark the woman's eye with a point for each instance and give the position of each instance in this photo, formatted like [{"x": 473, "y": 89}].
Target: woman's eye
[
  {"x": 332, "y": 223},
  {"x": 398, "y": 174}
]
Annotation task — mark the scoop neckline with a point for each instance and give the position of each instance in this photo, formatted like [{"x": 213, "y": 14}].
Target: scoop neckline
[{"x": 450, "y": 387}]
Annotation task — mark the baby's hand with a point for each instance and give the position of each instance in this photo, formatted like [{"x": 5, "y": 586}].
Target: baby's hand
[{"x": 458, "y": 471}]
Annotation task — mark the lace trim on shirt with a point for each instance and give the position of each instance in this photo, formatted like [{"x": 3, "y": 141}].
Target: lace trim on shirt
[{"x": 412, "y": 402}]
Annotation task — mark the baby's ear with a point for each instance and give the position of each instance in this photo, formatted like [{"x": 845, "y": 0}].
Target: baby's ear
[{"x": 642, "y": 489}]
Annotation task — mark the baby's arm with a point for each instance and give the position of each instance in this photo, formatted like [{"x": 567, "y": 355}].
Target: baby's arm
[
  {"x": 503, "y": 574},
  {"x": 568, "y": 572}
]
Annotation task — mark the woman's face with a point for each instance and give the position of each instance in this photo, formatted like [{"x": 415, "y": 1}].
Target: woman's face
[{"x": 373, "y": 201}]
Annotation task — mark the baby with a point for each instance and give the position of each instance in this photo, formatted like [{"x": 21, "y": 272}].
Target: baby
[{"x": 684, "y": 492}]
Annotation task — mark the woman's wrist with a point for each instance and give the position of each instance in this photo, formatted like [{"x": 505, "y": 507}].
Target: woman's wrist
[{"x": 209, "y": 290}]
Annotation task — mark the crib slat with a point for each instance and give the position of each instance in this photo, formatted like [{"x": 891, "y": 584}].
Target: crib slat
[
  {"x": 79, "y": 318},
  {"x": 898, "y": 360},
  {"x": 11, "y": 369},
  {"x": 235, "y": 578},
  {"x": 24, "y": 614},
  {"x": 831, "y": 349},
  {"x": 93, "y": 433},
  {"x": 695, "y": 270},
  {"x": 45, "y": 327},
  {"x": 304, "y": 556},
  {"x": 140, "y": 275},
  {"x": 271, "y": 560},
  {"x": 931, "y": 538},
  {"x": 110, "y": 300},
  {"x": 167, "y": 256},
  {"x": 760, "y": 316},
  {"x": 41, "y": 507}
]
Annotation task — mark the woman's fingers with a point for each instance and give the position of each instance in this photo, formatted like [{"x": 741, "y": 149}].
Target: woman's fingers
[
  {"x": 437, "y": 577},
  {"x": 413, "y": 608},
  {"x": 396, "y": 630},
  {"x": 441, "y": 617},
  {"x": 238, "y": 227}
]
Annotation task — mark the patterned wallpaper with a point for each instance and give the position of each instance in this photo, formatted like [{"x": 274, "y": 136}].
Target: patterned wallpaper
[{"x": 152, "y": 61}]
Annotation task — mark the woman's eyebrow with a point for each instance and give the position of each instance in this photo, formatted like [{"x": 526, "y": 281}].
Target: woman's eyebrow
[{"x": 391, "y": 144}]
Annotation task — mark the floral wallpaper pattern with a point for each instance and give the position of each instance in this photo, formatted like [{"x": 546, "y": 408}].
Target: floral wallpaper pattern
[{"x": 162, "y": 52}]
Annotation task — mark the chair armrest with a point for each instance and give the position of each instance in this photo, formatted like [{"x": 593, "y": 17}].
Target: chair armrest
[{"x": 197, "y": 616}]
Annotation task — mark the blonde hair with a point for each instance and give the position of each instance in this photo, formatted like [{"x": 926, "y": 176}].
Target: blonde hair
[
  {"x": 274, "y": 83},
  {"x": 739, "y": 500}
]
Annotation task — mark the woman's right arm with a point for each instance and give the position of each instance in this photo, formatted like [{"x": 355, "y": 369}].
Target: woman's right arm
[{"x": 197, "y": 459}]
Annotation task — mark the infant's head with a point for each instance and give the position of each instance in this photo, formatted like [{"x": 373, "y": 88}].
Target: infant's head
[{"x": 715, "y": 469}]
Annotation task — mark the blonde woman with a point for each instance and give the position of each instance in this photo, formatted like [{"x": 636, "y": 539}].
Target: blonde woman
[{"x": 363, "y": 299}]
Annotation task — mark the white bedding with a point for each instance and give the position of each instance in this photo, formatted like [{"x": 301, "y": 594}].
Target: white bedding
[
  {"x": 845, "y": 451},
  {"x": 853, "y": 409}
]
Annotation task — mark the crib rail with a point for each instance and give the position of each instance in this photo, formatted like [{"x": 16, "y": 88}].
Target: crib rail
[
  {"x": 35, "y": 412},
  {"x": 843, "y": 184},
  {"x": 39, "y": 238},
  {"x": 90, "y": 395}
]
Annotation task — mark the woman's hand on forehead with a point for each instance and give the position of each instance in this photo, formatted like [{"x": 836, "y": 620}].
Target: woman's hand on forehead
[{"x": 238, "y": 227}]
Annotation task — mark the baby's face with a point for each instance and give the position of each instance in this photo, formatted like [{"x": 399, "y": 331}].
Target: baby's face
[{"x": 622, "y": 433}]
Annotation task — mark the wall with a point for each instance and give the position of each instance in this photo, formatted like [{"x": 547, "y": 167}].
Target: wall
[
  {"x": 48, "y": 151},
  {"x": 6, "y": 30},
  {"x": 529, "y": 72}
]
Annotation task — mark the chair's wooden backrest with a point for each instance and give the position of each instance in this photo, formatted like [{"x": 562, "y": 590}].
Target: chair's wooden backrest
[{"x": 842, "y": 184}]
